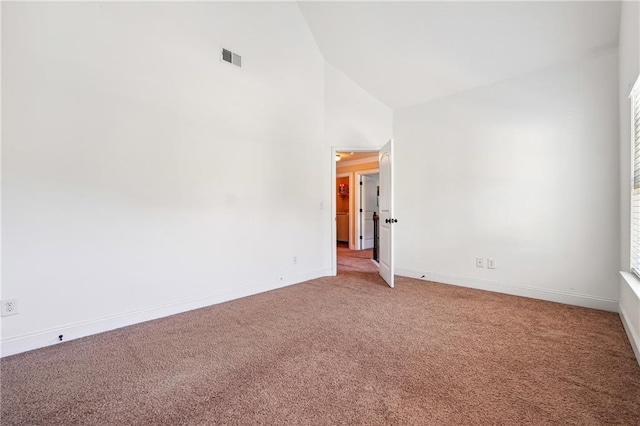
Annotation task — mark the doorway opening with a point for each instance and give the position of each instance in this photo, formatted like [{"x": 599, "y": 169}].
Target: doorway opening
[
  {"x": 356, "y": 200},
  {"x": 372, "y": 168}
]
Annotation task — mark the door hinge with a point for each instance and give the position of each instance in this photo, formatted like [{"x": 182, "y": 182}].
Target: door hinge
[
  {"x": 360, "y": 210},
  {"x": 360, "y": 236},
  {"x": 360, "y": 182}
]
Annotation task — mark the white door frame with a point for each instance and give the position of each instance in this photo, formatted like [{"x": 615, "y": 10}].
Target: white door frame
[
  {"x": 334, "y": 235},
  {"x": 358, "y": 176}
]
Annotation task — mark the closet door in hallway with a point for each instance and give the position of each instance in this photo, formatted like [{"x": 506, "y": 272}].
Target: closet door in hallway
[{"x": 369, "y": 197}]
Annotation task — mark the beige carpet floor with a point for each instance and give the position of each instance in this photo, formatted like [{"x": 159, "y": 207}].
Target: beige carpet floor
[
  {"x": 356, "y": 260},
  {"x": 340, "y": 350}
]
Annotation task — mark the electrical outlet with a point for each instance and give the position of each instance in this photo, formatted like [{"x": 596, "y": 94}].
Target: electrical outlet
[
  {"x": 8, "y": 307},
  {"x": 479, "y": 262},
  {"x": 295, "y": 260},
  {"x": 491, "y": 263}
]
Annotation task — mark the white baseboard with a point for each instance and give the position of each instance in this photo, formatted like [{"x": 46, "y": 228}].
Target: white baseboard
[
  {"x": 634, "y": 339},
  {"x": 49, "y": 337},
  {"x": 516, "y": 290}
]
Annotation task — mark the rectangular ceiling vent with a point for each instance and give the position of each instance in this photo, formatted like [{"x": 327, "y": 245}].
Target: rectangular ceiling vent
[{"x": 232, "y": 58}]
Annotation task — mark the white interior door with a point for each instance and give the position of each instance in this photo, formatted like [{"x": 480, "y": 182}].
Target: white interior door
[
  {"x": 369, "y": 197},
  {"x": 387, "y": 220}
]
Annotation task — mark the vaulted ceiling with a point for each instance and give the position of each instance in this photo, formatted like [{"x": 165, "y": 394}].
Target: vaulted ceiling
[{"x": 405, "y": 53}]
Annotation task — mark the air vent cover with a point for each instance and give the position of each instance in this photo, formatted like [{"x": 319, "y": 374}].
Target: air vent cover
[{"x": 232, "y": 58}]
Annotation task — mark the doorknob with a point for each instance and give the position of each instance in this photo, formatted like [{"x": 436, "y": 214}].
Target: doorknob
[{"x": 391, "y": 221}]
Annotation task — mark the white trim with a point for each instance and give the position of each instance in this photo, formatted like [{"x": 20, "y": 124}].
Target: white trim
[
  {"x": 630, "y": 284},
  {"x": 632, "y": 281},
  {"x": 49, "y": 337},
  {"x": 633, "y": 337},
  {"x": 332, "y": 203},
  {"x": 576, "y": 299}
]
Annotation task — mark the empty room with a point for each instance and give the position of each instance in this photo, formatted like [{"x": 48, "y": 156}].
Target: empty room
[{"x": 320, "y": 213}]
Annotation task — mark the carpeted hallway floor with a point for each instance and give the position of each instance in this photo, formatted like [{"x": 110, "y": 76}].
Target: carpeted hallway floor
[
  {"x": 356, "y": 260},
  {"x": 339, "y": 350}
]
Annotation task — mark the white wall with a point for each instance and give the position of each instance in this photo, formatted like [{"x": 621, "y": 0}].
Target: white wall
[
  {"x": 524, "y": 171},
  {"x": 629, "y": 68},
  {"x": 354, "y": 118},
  {"x": 142, "y": 176}
]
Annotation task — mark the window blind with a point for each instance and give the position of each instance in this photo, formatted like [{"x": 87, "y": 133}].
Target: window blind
[{"x": 635, "y": 189}]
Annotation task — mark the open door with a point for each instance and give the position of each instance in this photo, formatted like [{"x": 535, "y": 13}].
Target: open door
[{"x": 386, "y": 213}]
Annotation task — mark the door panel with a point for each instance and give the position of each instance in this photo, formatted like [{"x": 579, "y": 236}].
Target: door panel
[{"x": 386, "y": 213}]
